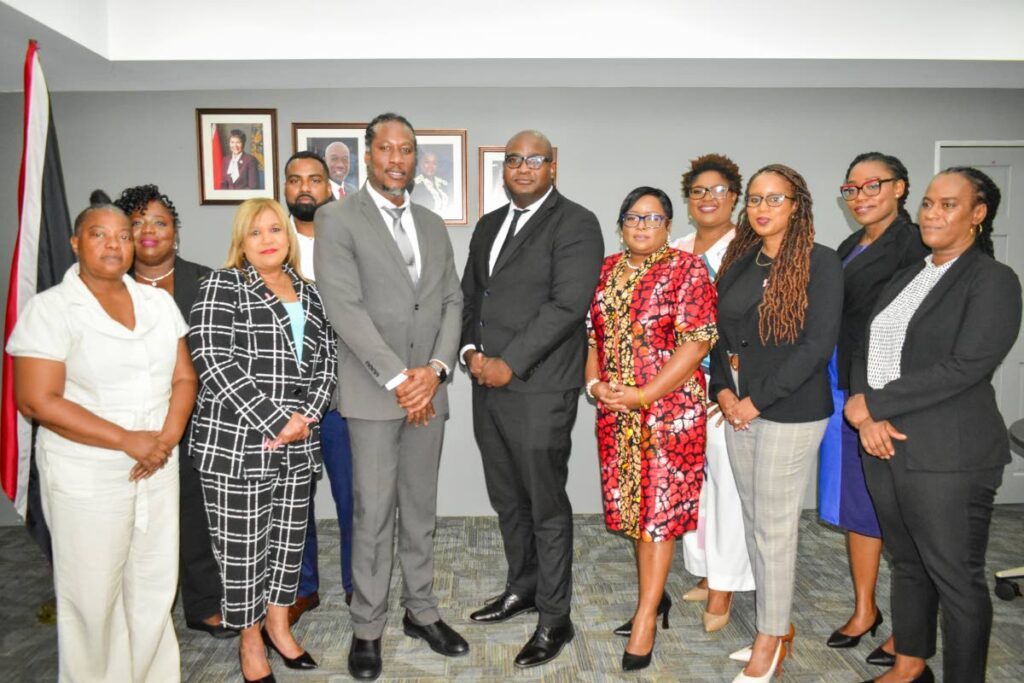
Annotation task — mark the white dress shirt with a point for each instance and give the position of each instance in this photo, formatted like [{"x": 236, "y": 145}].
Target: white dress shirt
[{"x": 305, "y": 252}]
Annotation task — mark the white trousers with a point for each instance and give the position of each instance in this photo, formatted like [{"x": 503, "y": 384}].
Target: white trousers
[
  {"x": 718, "y": 548},
  {"x": 115, "y": 567}
]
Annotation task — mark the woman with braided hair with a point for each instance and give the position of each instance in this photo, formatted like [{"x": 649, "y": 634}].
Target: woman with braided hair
[
  {"x": 936, "y": 445},
  {"x": 780, "y": 300}
]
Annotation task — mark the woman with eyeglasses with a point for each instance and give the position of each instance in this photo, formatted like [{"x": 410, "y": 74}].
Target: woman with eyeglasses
[
  {"x": 716, "y": 550},
  {"x": 875, "y": 191},
  {"x": 936, "y": 445},
  {"x": 651, "y": 323},
  {"x": 780, "y": 299}
]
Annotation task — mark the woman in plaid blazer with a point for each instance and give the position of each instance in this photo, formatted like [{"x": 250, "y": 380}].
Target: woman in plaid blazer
[{"x": 265, "y": 355}]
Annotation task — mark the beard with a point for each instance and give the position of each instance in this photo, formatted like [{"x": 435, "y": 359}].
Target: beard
[{"x": 303, "y": 211}]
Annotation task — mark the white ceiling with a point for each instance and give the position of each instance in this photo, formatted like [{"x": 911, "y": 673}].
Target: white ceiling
[{"x": 114, "y": 45}]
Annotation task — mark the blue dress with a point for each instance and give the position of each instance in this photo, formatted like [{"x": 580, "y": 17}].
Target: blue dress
[{"x": 843, "y": 498}]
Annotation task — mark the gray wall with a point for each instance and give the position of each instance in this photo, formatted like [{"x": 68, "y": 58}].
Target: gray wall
[{"x": 609, "y": 140}]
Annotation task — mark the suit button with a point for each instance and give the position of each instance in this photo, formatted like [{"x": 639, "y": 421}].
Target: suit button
[
  {"x": 416, "y": 307},
  {"x": 482, "y": 324},
  {"x": 487, "y": 292},
  {"x": 743, "y": 343},
  {"x": 296, "y": 392}
]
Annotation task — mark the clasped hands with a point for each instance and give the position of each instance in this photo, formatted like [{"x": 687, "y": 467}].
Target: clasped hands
[
  {"x": 618, "y": 398},
  {"x": 488, "y": 371},
  {"x": 149, "y": 449},
  {"x": 734, "y": 410},
  {"x": 875, "y": 435},
  {"x": 415, "y": 395}
]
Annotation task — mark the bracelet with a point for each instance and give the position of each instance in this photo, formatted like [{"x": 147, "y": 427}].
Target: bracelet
[
  {"x": 643, "y": 402},
  {"x": 590, "y": 386}
]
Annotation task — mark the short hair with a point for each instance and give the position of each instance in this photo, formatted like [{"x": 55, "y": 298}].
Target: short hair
[
  {"x": 387, "y": 117},
  {"x": 306, "y": 154},
  {"x": 98, "y": 201},
  {"x": 533, "y": 132},
  {"x": 985, "y": 192},
  {"x": 895, "y": 166},
  {"x": 236, "y": 133},
  {"x": 244, "y": 218},
  {"x": 718, "y": 163},
  {"x": 137, "y": 198},
  {"x": 643, "y": 191}
]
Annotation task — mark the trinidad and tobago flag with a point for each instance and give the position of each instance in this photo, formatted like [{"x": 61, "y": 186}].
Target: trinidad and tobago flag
[{"x": 42, "y": 254}]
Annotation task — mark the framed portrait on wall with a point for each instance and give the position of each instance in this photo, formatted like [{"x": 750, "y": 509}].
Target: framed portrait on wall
[
  {"x": 492, "y": 193},
  {"x": 342, "y": 146},
  {"x": 439, "y": 183},
  {"x": 237, "y": 150}
]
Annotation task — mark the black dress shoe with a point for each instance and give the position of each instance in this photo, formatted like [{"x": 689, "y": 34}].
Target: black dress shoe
[
  {"x": 880, "y": 657},
  {"x": 502, "y": 608},
  {"x": 926, "y": 676},
  {"x": 303, "y": 661},
  {"x": 364, "y": 659},
  {"x": 841, "y": 640},
  {"x": 441, "y": 637},
  {"x": 663, "y": 609},
  {"x": 545, "y": 644},
  {"x": 348, "y": 599},
  {"x": 218, "y": 631}
]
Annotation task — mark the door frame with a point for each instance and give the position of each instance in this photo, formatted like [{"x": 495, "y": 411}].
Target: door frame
[{"x": 939, "y": 144}]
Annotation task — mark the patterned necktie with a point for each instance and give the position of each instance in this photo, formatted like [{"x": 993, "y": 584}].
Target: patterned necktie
[
  {"x": 516, "y": 215},
  {"x": 402, "y": 239}
]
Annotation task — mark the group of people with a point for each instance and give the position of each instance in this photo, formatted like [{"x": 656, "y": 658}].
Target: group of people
[{"x": 720, "y": 363}]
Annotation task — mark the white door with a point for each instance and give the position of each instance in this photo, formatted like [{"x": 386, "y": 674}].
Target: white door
[{"x": 1005, "y": 165}]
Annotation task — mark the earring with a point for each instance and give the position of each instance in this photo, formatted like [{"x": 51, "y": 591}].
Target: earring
[{"x": 977, "y": 229}]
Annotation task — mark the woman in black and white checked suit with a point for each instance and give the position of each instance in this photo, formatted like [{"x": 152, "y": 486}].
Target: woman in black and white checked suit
[{"x": 265, "y": 355}]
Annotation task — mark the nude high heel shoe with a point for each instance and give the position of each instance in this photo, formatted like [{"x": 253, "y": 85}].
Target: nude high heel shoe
[{"x": 716, "y": 622}]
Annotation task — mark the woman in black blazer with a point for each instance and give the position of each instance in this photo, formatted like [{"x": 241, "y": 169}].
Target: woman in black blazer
[
  {"x": 926, "y": 410},
  {"x": 779, "y": 302},
  {"x": 266, "y": 359},
  {"x": 155, "y": 225},
  {"x": 875, "y": 191}
]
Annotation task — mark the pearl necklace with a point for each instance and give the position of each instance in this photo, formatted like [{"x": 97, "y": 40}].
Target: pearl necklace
[{"x": 153, "y": 280}]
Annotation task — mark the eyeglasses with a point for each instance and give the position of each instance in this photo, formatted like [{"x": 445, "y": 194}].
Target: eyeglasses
[
  {"x": 870, "y": 187},
  {"x": 533, "y": 161},
  {"x": 716, "y": 191},
  {"x": 772, "y": 200},
  {"x": 651, "y": 221}
]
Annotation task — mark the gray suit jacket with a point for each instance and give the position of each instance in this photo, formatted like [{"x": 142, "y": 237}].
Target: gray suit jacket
[{"x": 384, "y": 323}]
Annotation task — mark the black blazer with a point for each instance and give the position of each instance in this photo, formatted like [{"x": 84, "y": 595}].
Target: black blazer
[
  {"x": 786, "y": 382},
  {"x": 187, "y": 278},
  {"x": 250, "y": 380},
  {"x": 531, "y": 310},
  {"x": 944, "y": 401},
  {"x": 865, "y": 277}
]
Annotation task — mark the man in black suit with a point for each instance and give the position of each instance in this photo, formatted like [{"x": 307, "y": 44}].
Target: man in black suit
[{"x": 532, "y": 269}]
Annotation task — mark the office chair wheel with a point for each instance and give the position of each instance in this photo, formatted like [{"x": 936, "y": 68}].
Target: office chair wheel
[{"x": 1007, "y": 589}]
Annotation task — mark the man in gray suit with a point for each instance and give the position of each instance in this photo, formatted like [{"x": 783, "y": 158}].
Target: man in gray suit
[{"x": 386, "y": 274}]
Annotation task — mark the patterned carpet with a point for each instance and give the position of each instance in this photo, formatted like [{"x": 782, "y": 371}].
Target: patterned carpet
[{"x": 470, "y": 568}]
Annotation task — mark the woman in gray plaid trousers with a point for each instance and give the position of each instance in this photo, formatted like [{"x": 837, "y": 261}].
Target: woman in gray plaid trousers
[{"x": 266, "y": 358}]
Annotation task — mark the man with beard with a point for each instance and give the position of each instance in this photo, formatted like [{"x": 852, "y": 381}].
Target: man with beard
[
  {"x": 389, "y": 286},
  {"x": 306, "y": 189},
  {"x": 339, "y": 160}
]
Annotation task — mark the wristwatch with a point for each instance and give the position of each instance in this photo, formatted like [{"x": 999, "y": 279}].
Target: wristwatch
[{"x": 439, "y": 370}]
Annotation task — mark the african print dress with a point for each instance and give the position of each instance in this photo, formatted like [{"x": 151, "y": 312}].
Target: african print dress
[{"x": 652, "y": 460}]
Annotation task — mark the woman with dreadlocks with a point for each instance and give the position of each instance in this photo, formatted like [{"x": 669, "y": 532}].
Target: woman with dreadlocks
[
  {"x": 780, "y": 299},
  {"x": 926, "y": 412}
]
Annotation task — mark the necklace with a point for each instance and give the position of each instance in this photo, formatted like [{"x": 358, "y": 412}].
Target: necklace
[
  {"x": 153, "y": 280},
  {"x": 630, "y": 265},
  {"x": 757, "y": 258}
]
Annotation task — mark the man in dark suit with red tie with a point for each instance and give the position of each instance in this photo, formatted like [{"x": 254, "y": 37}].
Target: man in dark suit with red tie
[{"x": 532, "y": 269}]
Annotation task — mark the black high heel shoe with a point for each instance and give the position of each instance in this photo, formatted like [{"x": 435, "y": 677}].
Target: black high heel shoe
[
  {"x": 841, "y": 640},
  {"x": 632, "y": 662},
  {"x": 880, "y": 657},
  {"x": 926, "y": 676},
  {"x": 303, "y": 661},
  {"x": 664, "y": 606},
  {"x": 269, "y": 678}
]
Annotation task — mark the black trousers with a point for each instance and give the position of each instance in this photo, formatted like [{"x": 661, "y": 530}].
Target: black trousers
[
  {"x": 525, "y": 441},
  {"x": 197, "y": 569},
  {"x": 935, "y": 525}
]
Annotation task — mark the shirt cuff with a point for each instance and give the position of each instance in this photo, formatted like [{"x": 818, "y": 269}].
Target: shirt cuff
[
  {"x": 462, "y": 352},
  {"x": 395, "y": 381}
]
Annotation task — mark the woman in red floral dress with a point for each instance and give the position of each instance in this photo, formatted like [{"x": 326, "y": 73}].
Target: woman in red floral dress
[{"x": 651, "y": 323}]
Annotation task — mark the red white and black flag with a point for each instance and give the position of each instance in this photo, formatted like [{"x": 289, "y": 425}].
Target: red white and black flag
[{"x": 42, "y": 254}]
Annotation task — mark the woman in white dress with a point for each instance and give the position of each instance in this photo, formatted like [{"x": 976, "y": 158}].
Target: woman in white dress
[
  {"x": 100, "y": 363},
  {"x": 716, "y": 550}
]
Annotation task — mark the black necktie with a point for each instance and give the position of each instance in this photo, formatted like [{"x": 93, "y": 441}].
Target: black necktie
[{"x": 516, "y": 215}]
